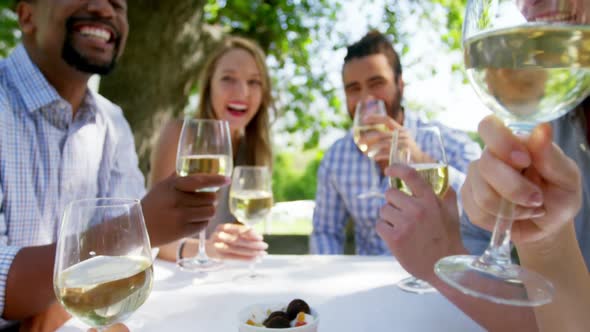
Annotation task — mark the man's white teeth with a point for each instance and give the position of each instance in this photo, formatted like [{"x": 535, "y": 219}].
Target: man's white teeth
[{"x": 96, "y": 33}]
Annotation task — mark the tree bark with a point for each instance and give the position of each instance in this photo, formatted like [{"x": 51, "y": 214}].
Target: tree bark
[{"x": 154, "y": 78}]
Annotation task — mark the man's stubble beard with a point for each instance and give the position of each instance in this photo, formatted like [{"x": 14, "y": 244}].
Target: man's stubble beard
[{"x": 77, "y": 60}]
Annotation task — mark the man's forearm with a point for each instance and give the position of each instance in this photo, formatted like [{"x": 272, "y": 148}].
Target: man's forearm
[{"x": 29, "y": 286}]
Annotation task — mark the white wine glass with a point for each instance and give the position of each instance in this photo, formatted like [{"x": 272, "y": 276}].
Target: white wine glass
[
  {"x": 370, "y": 138},
  {"x": 529, "y": 62},
  {"x": 251, "y": 201},
  {"x": 103, "y": 263},
  {"x": 423, "y": 150},
  {"x": 204, "y": 147}
]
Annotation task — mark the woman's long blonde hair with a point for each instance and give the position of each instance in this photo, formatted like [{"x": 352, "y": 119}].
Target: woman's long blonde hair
[{"x": 256, "y": 135}]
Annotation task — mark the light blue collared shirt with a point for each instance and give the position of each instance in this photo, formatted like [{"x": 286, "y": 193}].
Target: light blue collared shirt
[
  {"x": 345, "y": 172},
  {"x": 49, "y": 158}
]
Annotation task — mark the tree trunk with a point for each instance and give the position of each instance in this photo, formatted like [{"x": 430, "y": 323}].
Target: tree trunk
[{"x": 160, "y": 66}]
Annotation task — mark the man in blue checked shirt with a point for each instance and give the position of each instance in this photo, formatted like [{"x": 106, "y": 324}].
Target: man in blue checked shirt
[
  {"x": 371, "y": 70},
  {"x": 59, "y": 141}
]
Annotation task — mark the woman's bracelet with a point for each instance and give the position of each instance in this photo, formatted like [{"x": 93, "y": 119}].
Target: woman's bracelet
[{"x": 179, "y": 250}]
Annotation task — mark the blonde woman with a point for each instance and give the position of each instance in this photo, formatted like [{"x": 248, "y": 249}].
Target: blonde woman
[{"x": 234, "y": 86}]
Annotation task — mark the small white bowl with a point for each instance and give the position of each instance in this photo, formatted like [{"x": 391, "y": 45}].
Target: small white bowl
[{"x": 246, "y": 313}]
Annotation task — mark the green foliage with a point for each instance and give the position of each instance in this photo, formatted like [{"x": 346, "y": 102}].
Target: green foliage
[
  {"x": 292, "y": 33},
  {"x": 455, "y": 13},
  {"x": 454, "y": 9},
  {"x": 294, "y": 175},
  {"x": 476, "y": 138},
  {"x": 9, "y": 34}
]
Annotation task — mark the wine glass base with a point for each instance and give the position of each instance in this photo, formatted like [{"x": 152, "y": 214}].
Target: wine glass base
[
  {"x": 250, "y": 278},
  {"x": 416, "y": 286},
  {"x": 505, "y": 284},
  {"x": 194, "y": 264}
]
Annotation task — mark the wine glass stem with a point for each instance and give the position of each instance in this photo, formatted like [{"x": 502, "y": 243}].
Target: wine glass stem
[
  {"x": 251, "y": 270},
  {"x": 202, "y": 251},
  {"x": 498, "y": 252},
  {"x": 374, "y": 177}
]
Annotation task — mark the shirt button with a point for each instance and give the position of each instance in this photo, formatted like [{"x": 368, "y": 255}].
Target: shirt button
[{"x": 583, "y": 147}]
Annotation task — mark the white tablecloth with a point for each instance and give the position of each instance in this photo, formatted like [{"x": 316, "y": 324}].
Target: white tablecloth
[{"x": 350, "y": 293}]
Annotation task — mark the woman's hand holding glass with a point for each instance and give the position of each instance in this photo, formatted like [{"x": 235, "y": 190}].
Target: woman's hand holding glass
[
  {"x": 547, "y": 196},
  {"x": 237, "y": 242},
  {"x": 527, "y": 61},
  {"x": 229, "y": 241},
  {"x": 251, "y": 200}
]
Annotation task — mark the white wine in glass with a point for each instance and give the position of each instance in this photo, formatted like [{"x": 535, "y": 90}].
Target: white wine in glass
[
  {"x": 370, "y": 138},
  {"x": 423, "y": 150},
  {"x": 205, "y": 164},
  {"x": 529, "y": 62},
  {"x": 251, "y": 207},
  {"x": 251, "y": 201},
  {"x": 436, "y": 174},
  {"x": 363, "y": 135},
  {"x": 204, "y": 147},
  {"x": 103, "y": 268}
]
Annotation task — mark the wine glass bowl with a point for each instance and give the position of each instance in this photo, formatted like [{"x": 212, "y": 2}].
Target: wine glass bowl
[
  {"x": 423, "y": 150},
  {"x": 204, "y": 147},
  {"x": 370, "y": 137},
  {"x": 251, "y": 199},
  {"x": 103, "y": 267},
  {"x": 531, "y": 73},
  {"x": 529, "y": 62}
]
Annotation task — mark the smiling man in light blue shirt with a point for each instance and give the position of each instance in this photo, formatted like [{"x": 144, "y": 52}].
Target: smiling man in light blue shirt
[{"x": 59, "y": 142}]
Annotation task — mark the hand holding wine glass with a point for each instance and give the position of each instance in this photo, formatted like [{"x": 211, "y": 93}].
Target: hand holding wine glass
[
  {"x": 528, "y": 62},
  {"x": 423, "y": 150},
  {"x": 237, "y": 242},
  {"x": 204, "y": 148},
  {"x": 371, "y": 136},
  {"x": 103, "y": 266},
  {"x": 251, "y": 199},
  {"x": 546, "y": 196}
]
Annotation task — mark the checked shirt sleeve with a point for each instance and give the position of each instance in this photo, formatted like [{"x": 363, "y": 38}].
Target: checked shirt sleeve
[{"x": 330, "y": 214}]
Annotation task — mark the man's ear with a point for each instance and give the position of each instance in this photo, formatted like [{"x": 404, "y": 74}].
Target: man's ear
[
  {"x": 400, "y": 84},
  {"x": 24, "y": 11}
]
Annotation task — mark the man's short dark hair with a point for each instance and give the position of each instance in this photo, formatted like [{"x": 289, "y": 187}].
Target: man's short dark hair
[{"x": 374, "y": 42}]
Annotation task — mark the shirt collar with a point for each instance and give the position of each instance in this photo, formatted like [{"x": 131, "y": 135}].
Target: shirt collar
[
  {"x": 29, "y": 81},
  {"x": 34, "y": 88},
  {"x": 89, "y": 105}
]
